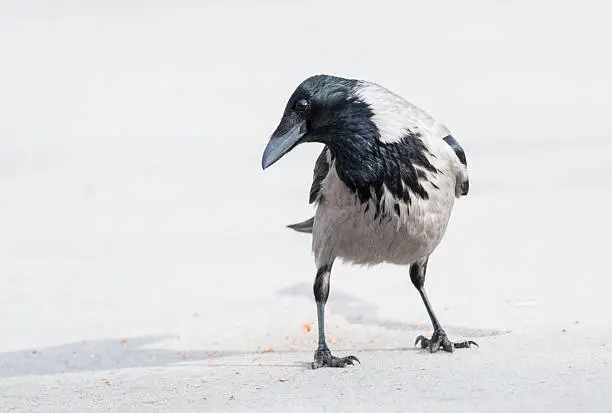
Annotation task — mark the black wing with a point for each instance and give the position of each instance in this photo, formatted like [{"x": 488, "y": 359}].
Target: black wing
[
  {"x": 457, "y": 148},
  {"x": 321, "y": 170},
  {"x": 305, "y": 226},
  {"x": 452, "y": 142}
]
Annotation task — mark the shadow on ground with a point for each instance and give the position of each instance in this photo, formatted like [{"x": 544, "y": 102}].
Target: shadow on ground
[
  {"x": 120, "y": 354},
  {"x": 99, "y": 355},
  {"x": 141, "y": 351},
  {"x": 360, "y": 311}
]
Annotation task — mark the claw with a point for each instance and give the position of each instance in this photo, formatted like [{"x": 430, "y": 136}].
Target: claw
[
  {"x": 424, "y": 341},
  {"x": 353, "y": 358},
  {"x": 440, "y": 340},
  {"x": 325, "y": 359},
  {"x": 466, "y": 344}
]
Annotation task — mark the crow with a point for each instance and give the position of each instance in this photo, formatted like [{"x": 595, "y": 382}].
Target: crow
[{"x": 384, "y": 185}]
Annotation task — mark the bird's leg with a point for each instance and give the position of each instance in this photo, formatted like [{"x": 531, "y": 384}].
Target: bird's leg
[
  {"x": 438, "y": 339},
  {"x": 323, "y": 356}
]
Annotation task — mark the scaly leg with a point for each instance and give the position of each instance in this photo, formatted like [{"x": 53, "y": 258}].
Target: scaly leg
[
  {"x": 323, "y": 356},
  {"x": 438, "y": 339}
]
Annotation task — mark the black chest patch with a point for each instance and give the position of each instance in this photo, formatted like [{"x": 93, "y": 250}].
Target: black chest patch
[{"x": 367, "y": 167}]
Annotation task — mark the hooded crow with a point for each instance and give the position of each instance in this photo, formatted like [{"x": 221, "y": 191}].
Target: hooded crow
[{"x": 384, "y": 185}]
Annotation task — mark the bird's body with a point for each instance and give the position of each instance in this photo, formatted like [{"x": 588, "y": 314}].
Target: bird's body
[
  {"x": 384, "y": 185},
  {"x": 394, "y": 226},
  {"x": 377, "y": 231}
]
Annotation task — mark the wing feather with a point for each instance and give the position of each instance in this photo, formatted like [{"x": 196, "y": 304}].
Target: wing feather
[
  {"x": 321, "y": 170},
  {"x": 465, "y": 182}
]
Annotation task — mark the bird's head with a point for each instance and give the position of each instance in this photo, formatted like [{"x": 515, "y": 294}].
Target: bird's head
[{"x": 323, "y": 109}]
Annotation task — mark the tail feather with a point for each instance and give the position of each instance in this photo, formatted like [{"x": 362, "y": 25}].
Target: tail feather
[{"x": 305, "y": 227}]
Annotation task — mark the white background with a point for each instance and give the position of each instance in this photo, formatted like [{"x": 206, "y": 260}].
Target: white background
[{"x": 133, "y": 207}]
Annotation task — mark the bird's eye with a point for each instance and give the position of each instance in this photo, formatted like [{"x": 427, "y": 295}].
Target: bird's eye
[{"x": 302, "y": 105}]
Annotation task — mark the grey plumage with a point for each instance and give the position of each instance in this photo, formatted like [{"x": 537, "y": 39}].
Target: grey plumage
[{"x": 384, "y": 185}]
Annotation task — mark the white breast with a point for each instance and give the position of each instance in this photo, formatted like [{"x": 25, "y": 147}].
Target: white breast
[{"x": 346, "y": 229}]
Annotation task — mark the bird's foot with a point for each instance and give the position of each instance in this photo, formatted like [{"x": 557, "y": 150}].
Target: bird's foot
[
  {"x": 439, "y": 340},
  {"x": 324, "y": 358}
]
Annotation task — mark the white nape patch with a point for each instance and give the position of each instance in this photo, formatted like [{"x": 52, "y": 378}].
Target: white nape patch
[{"x": 395, "y": 116}]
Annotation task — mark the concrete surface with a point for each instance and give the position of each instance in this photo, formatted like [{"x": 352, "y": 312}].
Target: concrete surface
[{"x": 144, "y": 263}]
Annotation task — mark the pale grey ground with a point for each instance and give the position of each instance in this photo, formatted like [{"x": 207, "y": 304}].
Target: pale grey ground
[{"x": 133, "y": 207}]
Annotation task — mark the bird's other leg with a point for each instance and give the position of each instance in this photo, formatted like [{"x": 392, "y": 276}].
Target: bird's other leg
[
  {"x": 438, "y": 340},
  {"x": 323, "y": 356}
]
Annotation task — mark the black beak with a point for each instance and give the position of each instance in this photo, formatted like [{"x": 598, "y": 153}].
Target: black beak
[{"x": 281, "y": 143}]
